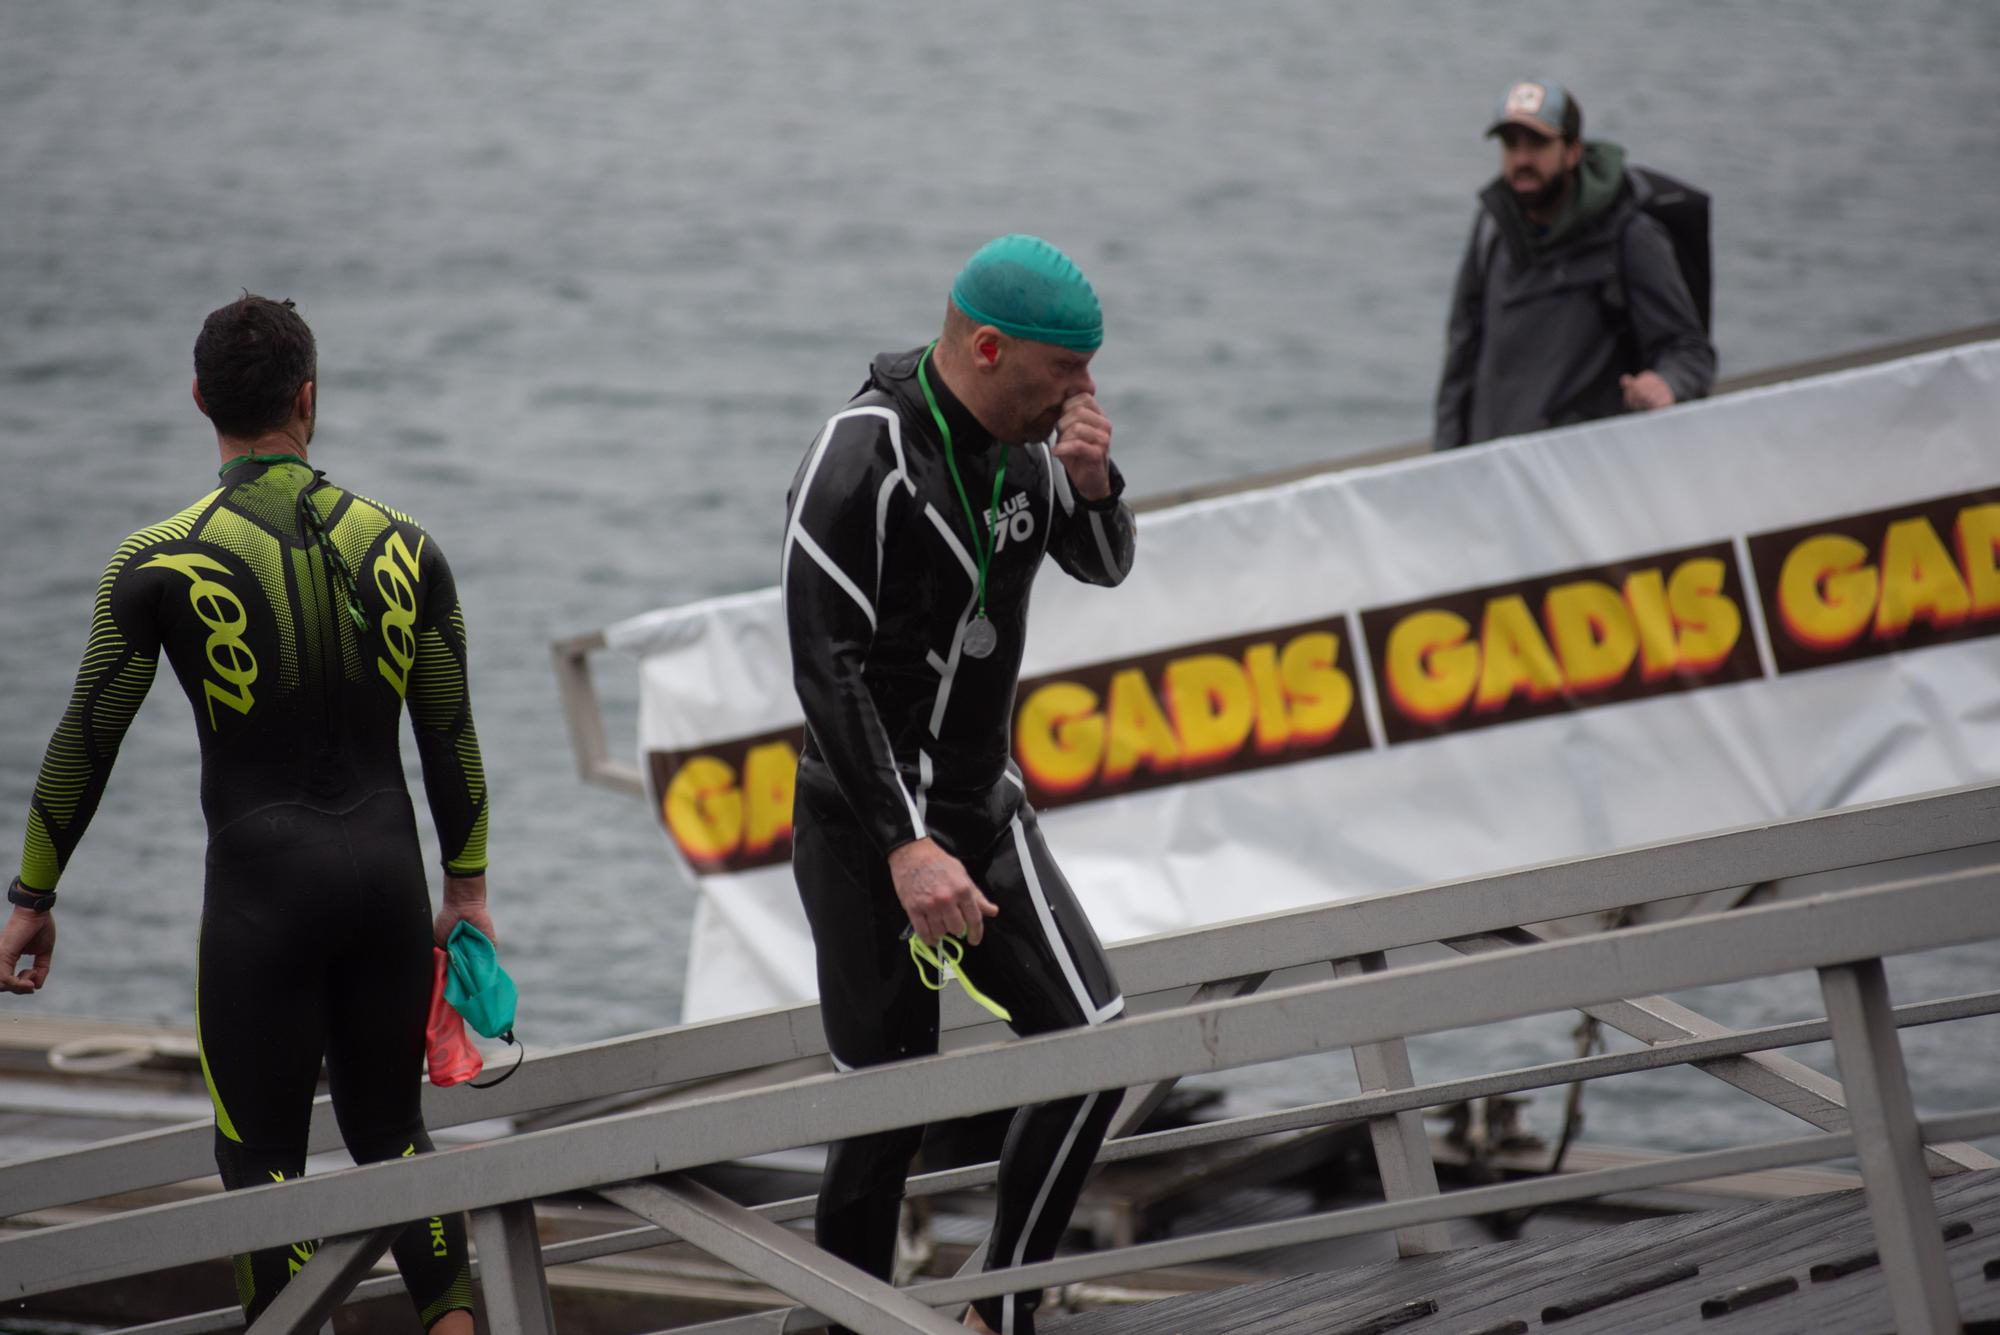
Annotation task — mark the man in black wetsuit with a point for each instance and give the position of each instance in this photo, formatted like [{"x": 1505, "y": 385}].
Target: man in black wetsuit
[
  {"x": 917, "y": 523},
  {"x": 300, "y": 619}
]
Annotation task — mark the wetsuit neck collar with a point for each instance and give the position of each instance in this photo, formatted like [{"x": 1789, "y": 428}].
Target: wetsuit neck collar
[
  {"x": 967, "y": 434},
  {"x": 259, "y": 462}
]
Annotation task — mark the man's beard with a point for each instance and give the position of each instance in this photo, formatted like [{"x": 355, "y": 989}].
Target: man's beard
[
  {"x": 1029, "y": 427},
  {"x": 1545, "y": 198}
]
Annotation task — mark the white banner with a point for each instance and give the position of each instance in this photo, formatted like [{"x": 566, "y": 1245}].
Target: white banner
[{"x": 1775, "y": 603}]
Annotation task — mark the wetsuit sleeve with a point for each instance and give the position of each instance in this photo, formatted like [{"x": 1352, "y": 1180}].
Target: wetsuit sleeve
[
  {"x": 1665, "y": 322},
  {"x": 1463, "y": 329},
  {"x": 118, "y": 666},
  {"x": 830, "y": 575},
  {"x": 441, "y": 716},
  {"x": 1093, "y": 541}
]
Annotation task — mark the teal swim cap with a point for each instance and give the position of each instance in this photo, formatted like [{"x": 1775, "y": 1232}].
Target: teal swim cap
[
  {"x": 475, "y": 984},
  {"x": 1026, "y": 288}
]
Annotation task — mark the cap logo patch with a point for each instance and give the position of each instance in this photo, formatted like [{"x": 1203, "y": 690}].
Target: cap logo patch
[{"x": 1525, "y": 98}]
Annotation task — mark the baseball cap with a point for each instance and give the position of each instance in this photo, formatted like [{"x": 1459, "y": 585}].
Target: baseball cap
[{"x": 1541, "y": 105}]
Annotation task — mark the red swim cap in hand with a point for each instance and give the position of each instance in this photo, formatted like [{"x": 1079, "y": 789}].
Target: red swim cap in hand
[{"x": 448, "y": 1051}]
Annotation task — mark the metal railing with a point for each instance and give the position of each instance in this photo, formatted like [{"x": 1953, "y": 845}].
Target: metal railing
[{"x": 637, "y": 1159}]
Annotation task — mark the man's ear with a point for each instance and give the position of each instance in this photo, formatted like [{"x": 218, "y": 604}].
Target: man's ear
[
  {"x": 302, "y": 406},
  {"x": 986, "y": 345},
  {"x": 1572, "y": 154},
  {"x": 203, "y": 407}
]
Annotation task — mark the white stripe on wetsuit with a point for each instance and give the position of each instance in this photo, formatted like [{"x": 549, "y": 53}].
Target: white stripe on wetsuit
[
  {"x": 1042, "y": 1199},
  {"x": 1092, "y": 1014},
  {"x": 957, "y": 547},
  {"x": 902, "y": 474},
  {"x": 1059, "y": 478},
  {"x": 792, "y": 528},
  {"x": 1068, "y": 497},
  {"x": 795, "y": 533},
  {"x": 916, "y": 812},
  {"x": 882, "y": 498},
  {"x": 796, "y": 529},
  {"x": 839, "y": 576},
  {"x": 1111, "y": 566},
  {"x": 947, "y": 668}
]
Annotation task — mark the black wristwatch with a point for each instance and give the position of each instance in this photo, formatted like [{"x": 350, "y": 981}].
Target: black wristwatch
[
  {"x": 1109, "y": 501},
  {"x": 38, "y": 901}
]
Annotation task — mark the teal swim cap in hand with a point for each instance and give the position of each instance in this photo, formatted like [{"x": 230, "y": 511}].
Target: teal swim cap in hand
[
  {"x": 475, "y": 984},
  {"x": 1026, "y": 288}
]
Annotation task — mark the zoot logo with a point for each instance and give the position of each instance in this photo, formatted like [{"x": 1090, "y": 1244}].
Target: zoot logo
[
  {"x": 223, "y": 613},
  {"x": 393, "y": 582}
]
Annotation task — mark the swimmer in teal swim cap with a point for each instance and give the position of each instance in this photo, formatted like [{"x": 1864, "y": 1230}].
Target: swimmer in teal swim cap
[
  {"x": 915, "y": 528},
  {"x": 1021, "y": 328}
]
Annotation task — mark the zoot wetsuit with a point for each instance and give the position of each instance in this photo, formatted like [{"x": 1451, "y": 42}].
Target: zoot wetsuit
[
  {"x": 907, "y": 736},
  {"x": 316, "y": 924}
]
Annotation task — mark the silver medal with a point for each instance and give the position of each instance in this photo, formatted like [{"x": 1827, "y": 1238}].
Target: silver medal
[{"x": 980, "y": 638}]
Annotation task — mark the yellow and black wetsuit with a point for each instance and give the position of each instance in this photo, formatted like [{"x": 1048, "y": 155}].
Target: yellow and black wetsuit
[{"x": 301, "y": 620}]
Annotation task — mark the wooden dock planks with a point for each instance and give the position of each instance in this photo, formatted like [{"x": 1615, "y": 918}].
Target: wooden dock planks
[{"x": 1510, "y": 1286}]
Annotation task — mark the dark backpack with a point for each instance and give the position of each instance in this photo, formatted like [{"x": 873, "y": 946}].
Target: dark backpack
[
  {"x": 1676, "y": 206},
  {"x": 1683, "y": 211}
]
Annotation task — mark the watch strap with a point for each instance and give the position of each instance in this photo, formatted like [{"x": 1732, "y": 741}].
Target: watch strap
[
  {"x": 38, "y": 901},
  {"x": 1109, "y": 501}
]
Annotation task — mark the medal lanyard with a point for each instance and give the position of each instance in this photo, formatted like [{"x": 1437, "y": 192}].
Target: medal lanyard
[{"x": 983, "y": 550}]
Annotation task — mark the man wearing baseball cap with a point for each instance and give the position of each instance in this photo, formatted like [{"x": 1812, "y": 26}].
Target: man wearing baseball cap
[
  {"x": 916, "y": 524},
  {"x": 1570, "y": 303}
]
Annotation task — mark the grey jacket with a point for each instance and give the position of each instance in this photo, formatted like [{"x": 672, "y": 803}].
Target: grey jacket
[{"x": 1541, "y": 328}]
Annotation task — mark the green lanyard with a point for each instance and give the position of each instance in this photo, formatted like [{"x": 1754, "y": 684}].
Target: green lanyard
[{"x": 984, "y": 551}]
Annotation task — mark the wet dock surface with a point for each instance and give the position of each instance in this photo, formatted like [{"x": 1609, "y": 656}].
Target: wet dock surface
[{"x": 1706, "y": 1272}]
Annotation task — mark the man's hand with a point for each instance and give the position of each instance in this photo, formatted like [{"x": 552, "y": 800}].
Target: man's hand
[
  {"x": 1083, "y": 443},
  {"x": 464, "y": 901},
  {"x": 937, "y": 894},
  {"x": 1646, "y": 391},
  {"x": 26, "y": 934}
]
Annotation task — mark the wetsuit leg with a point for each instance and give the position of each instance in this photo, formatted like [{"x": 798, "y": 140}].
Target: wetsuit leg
[
  {"x": 260, "y": 1015},
  {"x": 1042, "y": 961},
  {"x": 316, "y": 941},
  {"x": 375, "y": 1038},
  {"x": 875, "y": 1009}
]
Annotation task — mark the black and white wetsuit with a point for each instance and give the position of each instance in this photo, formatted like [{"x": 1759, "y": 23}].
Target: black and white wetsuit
[{"x": 907, "y": 736}]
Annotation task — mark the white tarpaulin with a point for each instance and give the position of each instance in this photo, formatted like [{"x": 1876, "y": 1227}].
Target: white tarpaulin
[{"x": 1771, "y": 604}]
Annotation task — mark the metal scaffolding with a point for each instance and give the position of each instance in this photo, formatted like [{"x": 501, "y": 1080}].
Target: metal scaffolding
[{"x": 638, "y": 1159}]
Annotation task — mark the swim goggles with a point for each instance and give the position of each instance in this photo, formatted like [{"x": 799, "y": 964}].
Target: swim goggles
[{"x": 944, "y": 961}]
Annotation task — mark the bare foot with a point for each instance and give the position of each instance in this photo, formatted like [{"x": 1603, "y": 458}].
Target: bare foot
[{"x": 973, "y": 1322}]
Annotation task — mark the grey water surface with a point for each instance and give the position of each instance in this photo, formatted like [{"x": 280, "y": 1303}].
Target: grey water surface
[{"x": 586, "y": 278}]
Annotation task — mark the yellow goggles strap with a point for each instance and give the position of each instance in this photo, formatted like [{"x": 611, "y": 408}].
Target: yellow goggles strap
[{"x": 952, "y": 951}]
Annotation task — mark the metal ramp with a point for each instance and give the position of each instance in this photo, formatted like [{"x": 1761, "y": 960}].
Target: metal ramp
[
  {"x": 1196, "y": 1008},
  {"x": 1785, "y": 1266}
]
